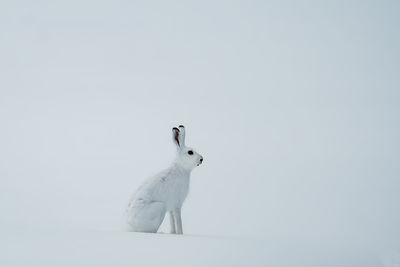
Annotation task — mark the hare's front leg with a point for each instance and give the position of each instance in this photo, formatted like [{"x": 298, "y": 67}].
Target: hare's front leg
[
  {"x": 178, "y": 221},
  {"x": 172, "y": 222}
]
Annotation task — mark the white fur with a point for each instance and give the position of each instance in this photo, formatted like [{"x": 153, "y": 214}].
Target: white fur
[{"x": 164, "y": 192}]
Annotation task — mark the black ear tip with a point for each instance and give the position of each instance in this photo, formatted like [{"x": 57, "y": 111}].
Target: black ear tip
[
  {"x": 181, "y": 126},
  {"x": 176, "y": 129}
]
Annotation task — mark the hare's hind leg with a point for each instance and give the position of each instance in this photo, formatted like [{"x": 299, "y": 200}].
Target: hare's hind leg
[
  {"x": 172, "y": 222},
  {"x": 146, "y": 216}
]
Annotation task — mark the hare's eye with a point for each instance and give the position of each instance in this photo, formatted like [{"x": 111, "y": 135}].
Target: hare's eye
[{"x": 190, "y": 152}]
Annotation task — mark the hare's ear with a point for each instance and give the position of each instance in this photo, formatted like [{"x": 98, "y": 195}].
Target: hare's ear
[
  {"x": 182, "y": 135},
  {"x": 175, "y": 137}
]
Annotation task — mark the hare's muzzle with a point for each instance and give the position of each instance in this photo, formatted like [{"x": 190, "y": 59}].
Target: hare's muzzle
[{"x": 200, "y": 161}]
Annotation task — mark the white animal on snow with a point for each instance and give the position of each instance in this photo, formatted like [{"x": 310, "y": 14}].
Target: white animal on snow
[{"x": 164, "y": 192}]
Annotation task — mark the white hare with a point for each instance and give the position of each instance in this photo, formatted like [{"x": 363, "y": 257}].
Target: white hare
[{"x": 165, "y": 192}]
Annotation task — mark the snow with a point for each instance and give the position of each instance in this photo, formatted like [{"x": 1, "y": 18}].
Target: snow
[{"x": 113, "y": 248}]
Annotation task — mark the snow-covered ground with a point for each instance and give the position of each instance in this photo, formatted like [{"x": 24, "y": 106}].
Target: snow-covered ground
[
  {"x": 293, "y": 104},
  {"x": 109, "y": 248}
]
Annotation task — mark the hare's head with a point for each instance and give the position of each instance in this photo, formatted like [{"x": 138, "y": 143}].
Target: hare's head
[{"x": 187, "y": 157}]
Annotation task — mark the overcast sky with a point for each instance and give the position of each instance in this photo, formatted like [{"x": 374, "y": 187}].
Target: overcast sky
[{"x": 293, "y": 104}]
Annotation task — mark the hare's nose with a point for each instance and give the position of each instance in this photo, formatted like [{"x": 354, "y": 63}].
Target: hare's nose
[{"x": 201, "y": 159}]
